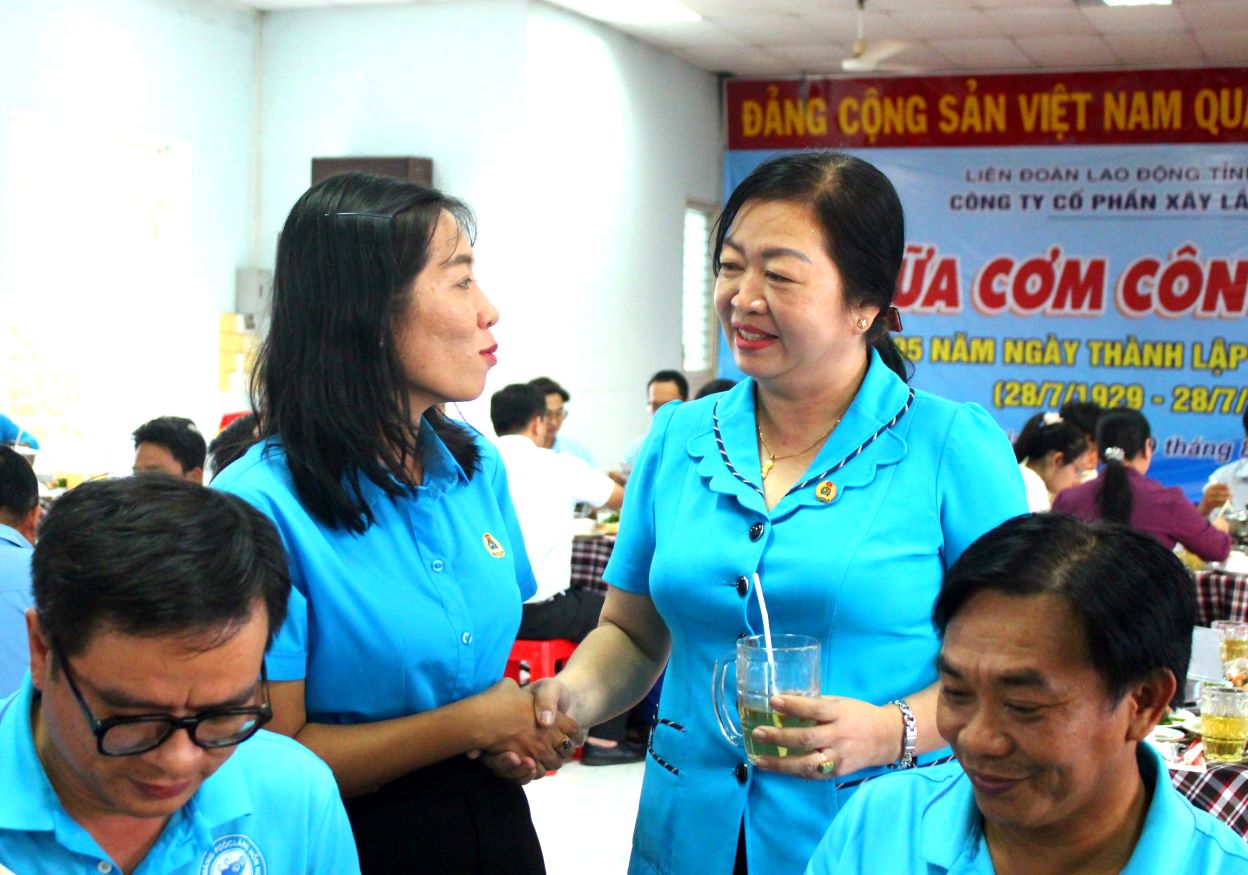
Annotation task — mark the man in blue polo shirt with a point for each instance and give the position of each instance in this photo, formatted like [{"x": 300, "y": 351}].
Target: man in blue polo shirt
[
  {"x": 1062, "y": 644},
  {"x": 134, "y": 744}
]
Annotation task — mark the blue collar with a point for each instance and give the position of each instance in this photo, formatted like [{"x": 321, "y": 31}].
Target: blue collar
[
  {"x": 36, "y": 808},
  {"x": 13, "y": 537},
  {"x": 952, "y": 828},
  {"x": 878, "y": 401}
]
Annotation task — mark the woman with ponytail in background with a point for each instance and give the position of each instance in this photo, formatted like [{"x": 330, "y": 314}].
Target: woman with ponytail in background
[
  {"x": 1123, "y": 494},
  {"x": 1048, "y": 450}
]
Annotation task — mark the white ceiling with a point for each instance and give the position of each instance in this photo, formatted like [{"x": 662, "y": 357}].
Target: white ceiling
[{"x": 794, "y": 37}]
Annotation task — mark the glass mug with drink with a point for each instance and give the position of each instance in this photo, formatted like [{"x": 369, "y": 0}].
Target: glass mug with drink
[
  {"x": 789, "y": 668},
  {"x": 1224, "y": 723}
]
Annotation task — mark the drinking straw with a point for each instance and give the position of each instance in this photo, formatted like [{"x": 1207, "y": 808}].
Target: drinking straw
[
  {"x": 771, "y": 655},
  {"x": 762, "y": 606}
]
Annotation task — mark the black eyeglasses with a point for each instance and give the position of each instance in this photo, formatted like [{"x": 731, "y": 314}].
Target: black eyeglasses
[{"x": 212, "y": 729}]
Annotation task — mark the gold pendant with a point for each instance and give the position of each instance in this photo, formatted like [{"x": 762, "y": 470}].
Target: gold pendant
[{"x": 767, "y": 468}]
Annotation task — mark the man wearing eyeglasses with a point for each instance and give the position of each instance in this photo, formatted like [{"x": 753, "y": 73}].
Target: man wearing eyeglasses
[{"x": 134, "y": 744}]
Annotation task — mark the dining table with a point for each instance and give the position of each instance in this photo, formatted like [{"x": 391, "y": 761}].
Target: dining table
[
  {"x": 590, "y": 553},
  {"x": 1222, "y": 790},
  {"x": 1220, "y": 595}
]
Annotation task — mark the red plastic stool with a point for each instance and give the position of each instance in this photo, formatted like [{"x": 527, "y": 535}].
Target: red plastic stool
[{"x": 544, "y": 658}]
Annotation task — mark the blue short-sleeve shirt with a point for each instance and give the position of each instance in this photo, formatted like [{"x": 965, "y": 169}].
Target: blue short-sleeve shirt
[
  {"x": 859, "y": 571},
  {"x": 926, "y": 821},
  {"x": 272, "y": 808},
  {"x": 418, "y": 611}
]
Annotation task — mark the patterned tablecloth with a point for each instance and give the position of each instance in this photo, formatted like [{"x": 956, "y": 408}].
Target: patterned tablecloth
[
  {"x": 1221, "y": 595},
  {"x": 589, "y": 558},
  {"x": 1222, "y": 791}
]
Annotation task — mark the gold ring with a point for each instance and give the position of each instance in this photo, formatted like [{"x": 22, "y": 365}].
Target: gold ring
[{"x": 826, "y": 767}]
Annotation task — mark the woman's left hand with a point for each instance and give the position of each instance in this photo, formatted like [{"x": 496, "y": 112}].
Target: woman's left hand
[{"x": 848, "y": 733}]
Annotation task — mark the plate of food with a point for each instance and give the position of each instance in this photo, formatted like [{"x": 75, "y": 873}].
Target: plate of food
[
  {"x": 1166, "y": 734},
  {"x": 1177, "y": 717}
]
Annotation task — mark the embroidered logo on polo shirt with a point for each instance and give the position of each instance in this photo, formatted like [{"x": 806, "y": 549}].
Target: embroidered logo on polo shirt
[
  {"x": 233, "y": 855},
  {"x": 491, "y": 544}
]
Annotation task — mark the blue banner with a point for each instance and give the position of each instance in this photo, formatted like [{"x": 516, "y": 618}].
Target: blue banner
[{"x": 1039, "y": 275}]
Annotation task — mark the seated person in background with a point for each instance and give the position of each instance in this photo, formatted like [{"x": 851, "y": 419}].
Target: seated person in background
[
  {"x": 1085, "y": 415},
  {"x": 14, "y": 435},
  {"x": 232, "y": 441},
  {"x": 19, "y": 520},
  {"x": 1062, "y": 646},
  {"x": 1228, "y": 483},
  {"x": 1050, "y": 452},
  {"x": 714, "y": 387},
  {"x": 170, "y": 445},
  {"x": 1122, "y": 494},
  {"x": 545, "y": 486},
  {"x": 134, "y": 740},
  {"x": 557, "y": 398},
  {"x": 663, "y": 387}
]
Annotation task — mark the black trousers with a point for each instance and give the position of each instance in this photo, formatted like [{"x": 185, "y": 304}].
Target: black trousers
[
  {"x": 455, "y": 817},
  {"x": 572, "y": 614}
]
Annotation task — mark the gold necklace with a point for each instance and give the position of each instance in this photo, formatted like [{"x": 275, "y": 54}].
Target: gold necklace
[{"x": 772, "y": 458}]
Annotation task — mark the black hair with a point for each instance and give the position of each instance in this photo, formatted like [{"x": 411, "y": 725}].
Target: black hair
[
  {"x": 720, "y": 384},
  {"x": 19, "y": 488},
  {"x": 1134, "y": 596},
  {"x": 682, "y": 385},
  {"x": 178, "y": 435},
  {"x": 329, "y": 381},
  {"x": 1038, "y": 439},
  {"x": 1245, "y": 420},
  {"x": 513, "y": 407},
  {"x": 232, "y": 441},
  {"x": 151, "y": 556},
  {"x": 547, "y": 386},
  {"x": 1084, "y": 414},
  {"x": 1121, "y": 435},
  {"x": 864, "y": 228}
]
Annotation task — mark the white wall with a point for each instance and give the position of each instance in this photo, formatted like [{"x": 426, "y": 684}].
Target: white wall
[
  {"x": 576, "y": 146},
  {"x": 178, "y": 73}
]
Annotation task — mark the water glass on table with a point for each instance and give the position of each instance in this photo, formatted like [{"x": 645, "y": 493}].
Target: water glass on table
[
  {"x": 1224, "y": 723},
  {"x": 1233, "y": 636}
]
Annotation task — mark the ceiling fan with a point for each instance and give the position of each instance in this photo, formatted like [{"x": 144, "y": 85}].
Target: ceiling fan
[{"x": 869, "y": 57}]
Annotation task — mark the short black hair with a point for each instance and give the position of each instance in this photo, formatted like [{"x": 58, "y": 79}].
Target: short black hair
[
  {"x": 547, "y": 386},
  {"x": 712, "y": 387},
  {"x": 682, "y": 385},
  {"x": 153, "y": 556},
  {"x": 232, "y": 441},
  {"x": 178, "y": 435},
  {"x": 513, "y": 407},
  {"x": 1084, "y": 414},
  {"x": 1135, "y": 598},
  {"x": 19, "y": 488}
]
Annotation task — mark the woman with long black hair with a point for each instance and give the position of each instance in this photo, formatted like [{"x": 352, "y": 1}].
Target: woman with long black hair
[
  {"x": 406, "y": 559},
  {"x": 1123, "y": 494}
]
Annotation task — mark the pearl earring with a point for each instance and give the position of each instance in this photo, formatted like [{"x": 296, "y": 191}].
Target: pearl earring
[{"x": 862, "y": 324}]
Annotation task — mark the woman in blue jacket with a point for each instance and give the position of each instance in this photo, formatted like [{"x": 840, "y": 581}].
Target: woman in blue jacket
[
  {"x": 407, "y": 564},
  {"x": 847, "y": 492}
]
